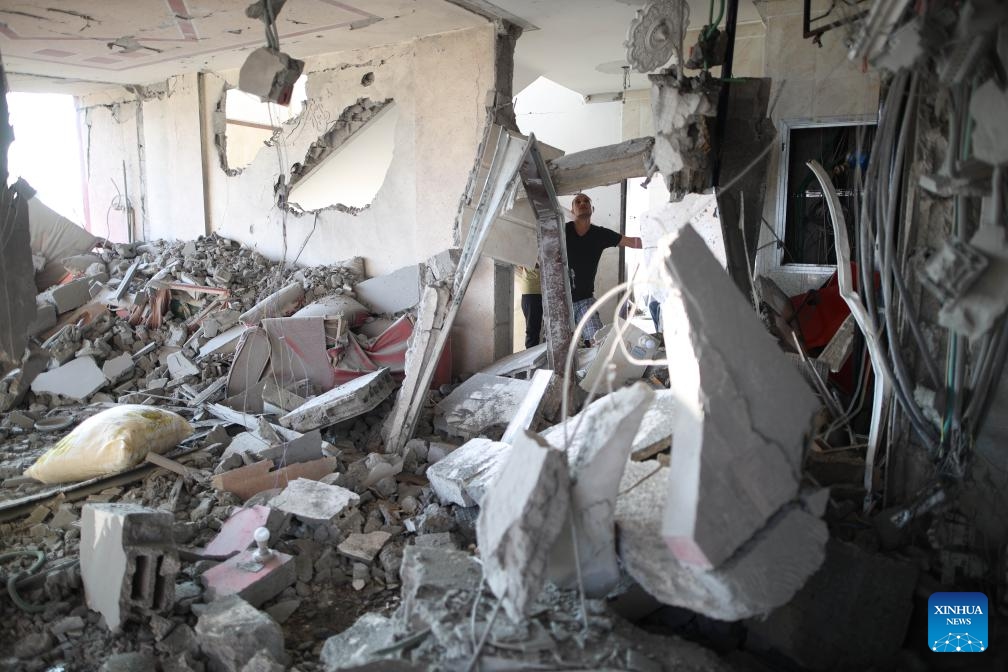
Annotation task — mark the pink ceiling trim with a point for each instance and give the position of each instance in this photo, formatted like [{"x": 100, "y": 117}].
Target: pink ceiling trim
[{"x": 185, "y": 23}]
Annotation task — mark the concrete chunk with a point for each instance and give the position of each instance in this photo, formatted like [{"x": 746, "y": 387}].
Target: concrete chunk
[
  {"x": 343, "y": 402},
  {"x": 254, "y": 478},
  {"x": 480, "y": 403},
  {"x": 364, "y": 547},
  {"x": 77, "y": 379},
  {"x": 128, "y": 560},
  {"x": 392, "y": 292},
  {"x": 72, "y": 295},
  {"x": 277, "y": 304},
  {"x": 313, "y": 501},
  {"x": 232, "y": 632},
  {"x": 764, "y": 574},
  {"x": 117, "y": 367},
  {"x": 179, "y": 366},
  {"x": 353, "y": 646},
  {"x": 737, "y": 448},
  {"x": 463, "y": 475},
  {"x": 599, "y": 443},
  {"x": 520, "y": 517},
  {"x": 430, "y": 572}
]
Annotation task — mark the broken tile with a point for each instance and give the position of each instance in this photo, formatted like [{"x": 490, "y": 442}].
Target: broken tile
[
  {"x": 520, "y": 517},
  {"x": 313, "y": 501}
]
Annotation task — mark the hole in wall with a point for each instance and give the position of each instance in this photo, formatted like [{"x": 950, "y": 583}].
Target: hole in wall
[
  {"x": 368, "y": 79},
  {"x": 250, "y": 123},
  {"x": 347, "y": 165}
]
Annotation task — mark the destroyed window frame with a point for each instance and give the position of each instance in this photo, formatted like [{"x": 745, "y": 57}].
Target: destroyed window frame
[
  {"x": 221, "y": 136},
  {"x": 785, "y": 126}
]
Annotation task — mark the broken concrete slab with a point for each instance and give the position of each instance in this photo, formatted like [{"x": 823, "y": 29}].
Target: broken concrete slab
[
  {"x": 71, "y": 296},
  {"x": 128, "y": 560},
  {"x": 392, "y": 292},
  {"x": 232, "y": 632},
  {"x": 520, "y": 517},
  {"x": 343, "y": 402},
  {"x": 255, "y": 478},
  {"x": 737, "y": 449},
  {"x": 77, "y": 379},
  {"x": 527, "y": 410},
  {"x": 250, "y": 576},
  {"x": 179, "y": 366},
  {"x": 598, "y": 442},
  {"x": 480, "y": 403},
  {"x": 463, "y": 476},
  {"x": 364, "y": 547},
  {"x": 520, "y": 365},
  {"x": 815, "y": 628},
  {"x": 286, "y": 398},
  {"x": 255, "y": 445},
  {"x": 118, "y": 367},
  {"x": 601, "y": 166},
  {"x": 353, "y": 647},
  {"x": 280, "y": 303},
  {"x": 313, "y": 501},
  {"x": 789, "y": 549}
]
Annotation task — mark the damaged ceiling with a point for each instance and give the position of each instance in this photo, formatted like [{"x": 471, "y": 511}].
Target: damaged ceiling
[{"x": 120, "y": 42}]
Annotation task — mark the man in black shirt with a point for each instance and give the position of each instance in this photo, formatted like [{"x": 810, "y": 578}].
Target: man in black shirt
[{"x": 585, "y": 243}]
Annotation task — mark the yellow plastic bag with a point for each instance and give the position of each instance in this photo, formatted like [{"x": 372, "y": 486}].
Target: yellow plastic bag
[{"x": 109, "y": 442}]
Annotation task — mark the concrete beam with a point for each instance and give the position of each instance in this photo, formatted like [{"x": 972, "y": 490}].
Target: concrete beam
[{"x": 601, "y": 166}]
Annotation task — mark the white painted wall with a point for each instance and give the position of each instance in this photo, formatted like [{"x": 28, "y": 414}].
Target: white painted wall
[
  {"x": 560, "y": 117},
  {"x": 439, "y": 85},
  {"x": 173, "y": 160}
]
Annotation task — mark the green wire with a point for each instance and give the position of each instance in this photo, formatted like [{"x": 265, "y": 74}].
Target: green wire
[{"x": 712, "y": 26}]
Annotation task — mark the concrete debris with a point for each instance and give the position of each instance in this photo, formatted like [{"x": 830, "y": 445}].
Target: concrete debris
[
  {"x": 232, "y": 632},
  {"x": 280, "y": 303},
  {"x": 428, "y": 572},
  {"x": 356, "y": 646},
  {"x": 312, "y": 501},
  {"x": 364, "y": 547},
  {"x": 789, "y": 548},
  {"x": 520, "y": 518},
  {"x": 480, "y": 404},
  {"x": 341, "y": 403},
  {"x": 78, "y": 379},
  {"x": 598, "y": 445},
  {"x": 464, "y": 475},
  {"x": 128, "y": 560},
  {"x": 392, "y": 292},
  {"x": 656, "y": 427},
  {"x": 729, "y": 433},
  {"x": 70, "y": 296},
  {"x": 639, "y": 344}
]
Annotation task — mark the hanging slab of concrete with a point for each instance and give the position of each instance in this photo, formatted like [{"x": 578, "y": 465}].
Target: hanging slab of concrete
[
  {"x": 737, "y": 447},
  {"x": 343, "y": 402},
  {"x": 392, "y": 292},
  {"x": 763, "y": 574},
  {"x": 598, "y": 446},
  {"x": 479, "y": 404},
  {"x": 601, "y": 166},
  {"x": 314, "y": 502},
  {"x": 128, "y": 560},
  {"x": 816, "y": 627},
  {"x": 462, "y": 476},
  {"x": 520, "y": 517},
  {"x": 77, "y": 379}
]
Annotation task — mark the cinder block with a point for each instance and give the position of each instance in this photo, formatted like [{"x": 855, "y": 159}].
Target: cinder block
[
  {"x": 128, "y": 560},
  {"x": 71, "y": 295}
]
